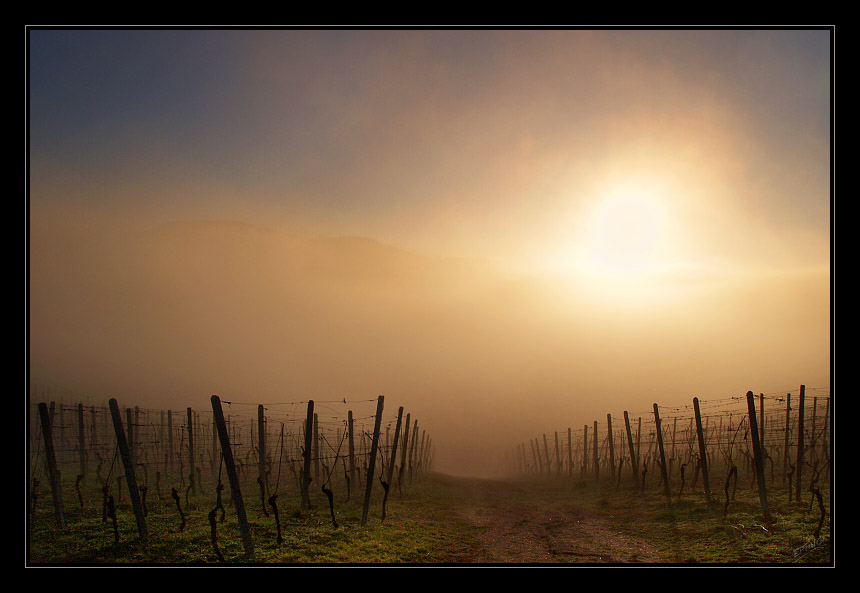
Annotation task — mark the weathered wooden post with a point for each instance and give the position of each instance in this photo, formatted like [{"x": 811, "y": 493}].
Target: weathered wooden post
[
  {"x": 611, "y": 448},
  {"x": 135, "y": 441},
  {"x": 664, "y": 474},
  {"x": 787, "y": 432},
  {"x": 94, "y": 436},
  {"x": 557, "y": 456},
  {"x": 634, "y": 461},
  {"x": 757, "y": 452},
  {"x": 128, "y": 463},
  {"x": 393, "y": 455},
  {"x": 61, "y": 430},
  {"x": 232, "y": 476},
  {"x": 51, "y": 462},
  {"x": 191, "y": 448},
  {"x": 371, "y": 465},
  {"x": 82, "y": 451},
  {"x": 412, "y": 448},
  {"x": 403, "y": 455},
  {"x": 761, "y": 424},
  {"x": 596, "y": 458},
  {"x": 812, "y": 446},
  {"x": 799, "y": 466},
  {"x": 703, "y": 455},
  {"x": 674, "y": 432},
  {"x": 306, "y": 453},
  {"x": 130, "y": 435},
  {"x": 215, "y": 456},
  {"x": 261, "y": 445},
  {"x": 428, "y": 460},
  {"x": 169, "y": 441},
  {"x": 584, "y": 450},
  {"x": 546, "y": 453},
  {"x": 569, "y": 452},
  {"x": 316, "y": 448},
  {"x": 351, "y": 436},
  {"x": 534, "y": 456},
  {"x": 419, "y": 465}
]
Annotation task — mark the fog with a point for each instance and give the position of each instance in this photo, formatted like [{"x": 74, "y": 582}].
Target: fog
[
  {"x": 485, "y": 357},
  {"x": 506, "y": 232}
]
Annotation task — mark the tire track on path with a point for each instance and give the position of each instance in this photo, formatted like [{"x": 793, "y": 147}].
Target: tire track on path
[{"x": 522, "y": 523}]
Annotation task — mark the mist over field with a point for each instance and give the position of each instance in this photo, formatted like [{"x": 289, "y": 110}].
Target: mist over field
[
  {"x": 483, "y": 358},
  {"x": 506, "y": 232}
]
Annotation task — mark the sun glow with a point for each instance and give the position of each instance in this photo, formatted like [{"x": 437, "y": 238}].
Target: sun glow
[
  {"x": 624, "y": 250},
  {"x": 625, "y": 235}
]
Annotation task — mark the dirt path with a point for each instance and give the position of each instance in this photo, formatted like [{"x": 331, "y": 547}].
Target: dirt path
[{"x": 520, "y": 523}]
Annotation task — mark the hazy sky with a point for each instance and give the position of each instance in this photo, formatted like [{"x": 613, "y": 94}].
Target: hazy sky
[{"x": 547, "y": 226}]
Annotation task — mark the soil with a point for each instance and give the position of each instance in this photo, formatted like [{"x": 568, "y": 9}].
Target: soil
[{"x": 516, "y": 523}]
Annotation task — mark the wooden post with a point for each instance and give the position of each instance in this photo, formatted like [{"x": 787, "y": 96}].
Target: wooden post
[
  {"x": 135, "y": 441},
  {"x": 94, "y": 436},
  {"x": 542, "y": 461},
  {"x": 611, "y": 448},
  {"x": 81, "y": 443},
  {"x": 703, "y": 455},
  {"x": 787, "y": 431},
  {"x": 51, "y": 462},
  {"x": 546, "y": 453},
  {"x": 812, "y": 450},
  {"x": 663, "y": 472},
  {"x": 403, "y": 455},
  {"x": 634, "y": 462},
  {"x": 261, "y": 445},
  {"x": 161, "y": 439},
  {"x": 757, "y": 453},
  {"x": 232, "y": 476},
  {"x": 191, "y": 448},
  {"x": 419, "y": 465},
  {"x": 306, "y": 453},
  {"x": 761, "y": 424},
  {"x": 130, "y": 479},
  {"x": 351, "y": 430},
  {"x": 569, "y": 452},
  {"x": 393, "y": 455},
  {"x": 61, "y": 431},
  {"x": 215, "y": 456},
  {"x": 584, "y": 450},
  {"x": 596, "y": 458},
  {"x": 557, "y": 456},
  {"x": 674, "y": 432},
  {"x": 371, "y": 465},
  {"x": 799, "y": 466},
  {"x": 130, "y": 435},
  {"x": 412, "y": 448},
  {"x": 169, "y": 441},
  {"x": 316, "y": 448}
]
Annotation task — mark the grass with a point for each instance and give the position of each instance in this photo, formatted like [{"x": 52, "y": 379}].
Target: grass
[
  {"x": 415, "y": 531},
  {"x": 420, "y": 529},
  {"x": 690, "y": 531}
]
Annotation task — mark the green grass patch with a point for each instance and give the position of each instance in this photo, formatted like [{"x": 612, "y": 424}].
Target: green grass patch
[
  {"x": 689, "y": 530},
  {"x": 421, "y": 527},
  {"x": 415, "y": 531}
]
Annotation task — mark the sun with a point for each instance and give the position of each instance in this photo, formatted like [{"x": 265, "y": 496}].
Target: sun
[{"x": 625, "y": 234}]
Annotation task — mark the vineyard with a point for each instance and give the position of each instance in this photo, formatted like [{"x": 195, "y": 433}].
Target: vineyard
[
  {"x": 124, "y": 470},
  {"x": 347, "y": 482},
  {"x": 776, "y": 445},
  {"x": 760, "y": 439}
]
